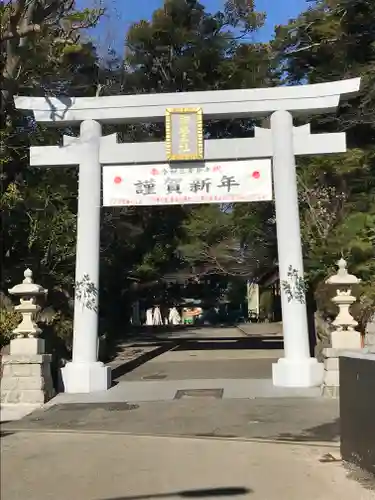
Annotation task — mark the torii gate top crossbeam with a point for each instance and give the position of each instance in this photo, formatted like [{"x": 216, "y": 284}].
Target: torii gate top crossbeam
[{"x": 240, "y": 103}]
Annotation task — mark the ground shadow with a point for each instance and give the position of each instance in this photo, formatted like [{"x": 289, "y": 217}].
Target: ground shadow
[
  {"x": 143, "y": 333},
  {"x": 329, "y": 431},
  {"x": 130, "y": 365},
  {"x": 223, "y": 343},
  {"x": 165, "y": 333},
  {"x": 206, "y": 493},
  {"x": 253, "y": 342},
  {"x": 164, "y": 343},
  {"x": 5, "y": 433}
]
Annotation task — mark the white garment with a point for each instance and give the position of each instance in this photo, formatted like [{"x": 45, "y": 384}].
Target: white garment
[
  {"x": 174, "y": 317},
  {"x": 157, "y": 319},
  {"x": 149, "y": 318}
]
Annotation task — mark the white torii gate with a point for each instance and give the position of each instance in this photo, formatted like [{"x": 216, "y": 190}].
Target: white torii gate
[{"x": 281, "y": 143}]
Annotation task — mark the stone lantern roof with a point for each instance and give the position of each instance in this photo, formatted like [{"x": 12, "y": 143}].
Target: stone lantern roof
[
  {"x": 28, "y": 287},
  {"x": 342, "y": 277}
]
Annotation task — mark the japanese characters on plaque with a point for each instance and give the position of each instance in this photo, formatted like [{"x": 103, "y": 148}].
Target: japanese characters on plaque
[
  {"x": 184, "y": 134},
  {"x": 187, "y": 183}
]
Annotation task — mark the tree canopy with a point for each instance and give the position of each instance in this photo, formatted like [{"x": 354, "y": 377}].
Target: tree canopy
[{"x": 335, "y": 39}]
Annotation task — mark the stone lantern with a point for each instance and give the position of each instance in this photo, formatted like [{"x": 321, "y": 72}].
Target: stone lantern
[
  {"x": 27, "y": 332},
  {"x": 344, "y": 336},
  {"x": 26, "y": 377}
]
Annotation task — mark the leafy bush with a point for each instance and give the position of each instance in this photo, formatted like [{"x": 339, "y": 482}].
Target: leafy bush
[{"x": 9, "y": 319}]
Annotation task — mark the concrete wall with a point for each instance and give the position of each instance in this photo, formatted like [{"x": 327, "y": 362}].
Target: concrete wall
[{"x": 357, "y": 410}]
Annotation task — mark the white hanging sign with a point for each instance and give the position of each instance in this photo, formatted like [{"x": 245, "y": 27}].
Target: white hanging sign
[{"x": 187, "y": 183}]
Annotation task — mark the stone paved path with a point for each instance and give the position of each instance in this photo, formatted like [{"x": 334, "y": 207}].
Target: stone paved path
[
  {"x": 224, "y": 360},
  {"x": 60, "y": 466},
  {"x": 281, "y": 419},
  {"x": 194, "y": 367},
  {"x": 189, "y": 345}
]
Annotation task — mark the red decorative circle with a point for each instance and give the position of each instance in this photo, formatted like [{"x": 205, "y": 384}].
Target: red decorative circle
[
  {"x": 117, "y": 180},
  {"x": 155, "y": 171},
  {"x": 256, "y": 174}
]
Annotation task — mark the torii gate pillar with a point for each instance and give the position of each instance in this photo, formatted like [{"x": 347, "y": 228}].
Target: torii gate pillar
[
  {"x": 297, "y": 368},
  {"x": 85, "y": 373}
]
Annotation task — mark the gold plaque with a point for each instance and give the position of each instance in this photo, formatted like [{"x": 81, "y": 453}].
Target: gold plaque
[{"x": 184, "y": 134}]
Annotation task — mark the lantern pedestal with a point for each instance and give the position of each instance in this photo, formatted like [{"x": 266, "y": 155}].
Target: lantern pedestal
[
  {"x": 346, "y": 339},
  {"x": 26, "y": 379},
  {"x": 28, "y": 346}
]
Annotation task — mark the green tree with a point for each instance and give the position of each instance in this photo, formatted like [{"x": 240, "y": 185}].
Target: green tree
[
  {"x": 184, "y": 48},
  {"x": 42, "y": 53},
  {"x": 39, "y": 34},
  {"x": 331, "y": 40}
]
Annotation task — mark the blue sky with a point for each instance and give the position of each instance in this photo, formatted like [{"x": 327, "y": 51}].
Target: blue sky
[{"x": 122, "y": 13}]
